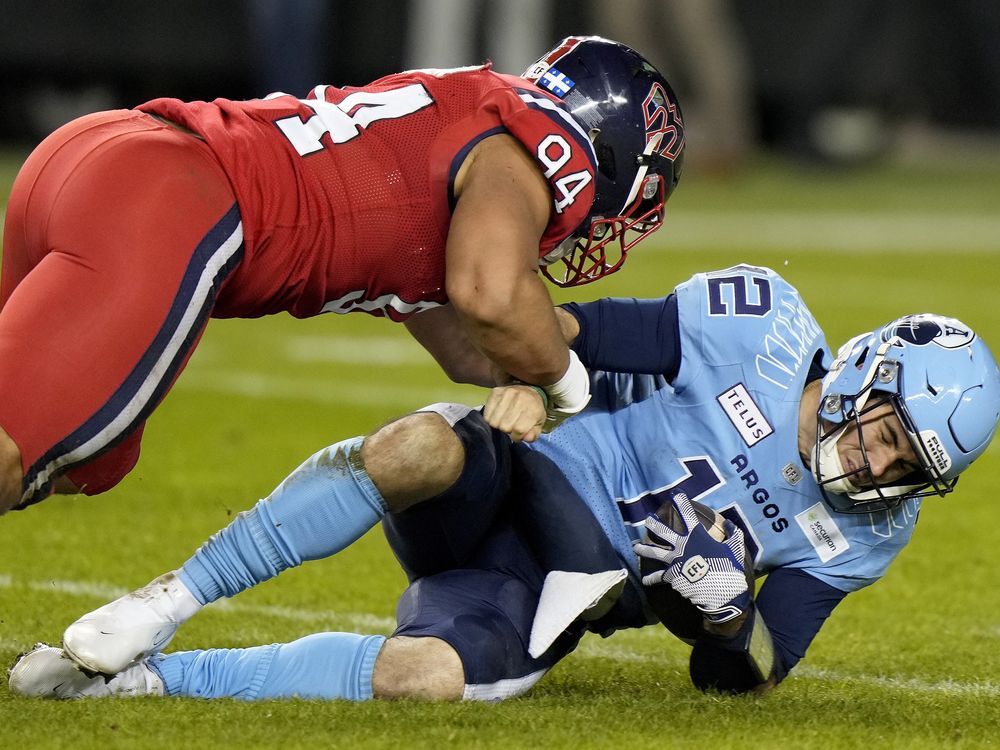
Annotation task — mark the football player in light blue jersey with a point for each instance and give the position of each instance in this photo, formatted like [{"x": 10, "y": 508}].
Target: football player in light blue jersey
[
  {"x": 723, "y": 442},
  {"x": 724, "y": 431}
]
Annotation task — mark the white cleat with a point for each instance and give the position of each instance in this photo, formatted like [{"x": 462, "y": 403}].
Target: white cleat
[
  {"x": 46, "y": 672},
  {"x": 132, "y": 627}
]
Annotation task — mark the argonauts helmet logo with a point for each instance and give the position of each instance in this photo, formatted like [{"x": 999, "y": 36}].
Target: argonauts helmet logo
[{"x": 927, "y": 328}]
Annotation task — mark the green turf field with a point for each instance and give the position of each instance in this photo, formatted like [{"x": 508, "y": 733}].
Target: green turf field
[{"x": 910, "y": 663}]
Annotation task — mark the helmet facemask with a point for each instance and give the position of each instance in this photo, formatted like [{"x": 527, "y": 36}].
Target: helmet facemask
[
  {"x": 858, "y": 490},
  {"x": 602, "y": 251}
]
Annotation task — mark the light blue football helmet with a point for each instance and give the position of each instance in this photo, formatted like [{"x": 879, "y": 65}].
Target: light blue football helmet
[{"x": 944, "y": 385}]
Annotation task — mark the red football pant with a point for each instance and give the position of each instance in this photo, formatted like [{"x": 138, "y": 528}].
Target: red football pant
[{"x": 120, "y": 231}]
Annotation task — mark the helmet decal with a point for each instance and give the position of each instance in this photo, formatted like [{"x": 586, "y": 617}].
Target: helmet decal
[
  {"x": 936, "y": 451},
  {"x": 663, "y": 122},
  {"x": 555, "y": 82},
  {"x": 565, "y": 47},
  {"x": 930, "y": 329}
]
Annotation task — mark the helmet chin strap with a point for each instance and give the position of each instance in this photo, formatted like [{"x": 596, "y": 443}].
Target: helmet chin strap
[
  {"x": 640, "y": 175},
  {"x": 826, "y": 463},
  {"x": 826, "y": 457}
]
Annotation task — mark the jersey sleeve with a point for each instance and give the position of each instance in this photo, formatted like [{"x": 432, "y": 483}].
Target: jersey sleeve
[
  {"x": 793, "y": 606},
  {"x": 628, "y": 335},
  {"x": 562, "y": 149}
]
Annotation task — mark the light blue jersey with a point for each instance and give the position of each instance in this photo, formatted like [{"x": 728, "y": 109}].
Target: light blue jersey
[{"x": 726, "y": 433}]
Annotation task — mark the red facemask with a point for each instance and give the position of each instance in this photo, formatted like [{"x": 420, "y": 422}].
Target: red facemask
[{"x": 607, "y": 243}]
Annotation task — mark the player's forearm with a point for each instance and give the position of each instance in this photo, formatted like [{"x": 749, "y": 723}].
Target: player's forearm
[
  {"x": 739, "y": 663},
  {"x": 515, "y": 326},
  {"x": 441, "y": 332}
]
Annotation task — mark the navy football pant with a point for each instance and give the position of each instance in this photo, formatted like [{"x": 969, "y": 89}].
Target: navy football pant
[{"x": 475, "y": 583}]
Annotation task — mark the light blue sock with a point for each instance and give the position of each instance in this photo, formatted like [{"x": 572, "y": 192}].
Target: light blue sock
[
  {"x": 318, "y": 510},
  {"x": 323, "y": 665}
]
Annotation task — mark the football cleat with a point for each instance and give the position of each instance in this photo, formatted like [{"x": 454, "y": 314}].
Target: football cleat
[
  {"x": 46, "y": 672},
  {"x": 130, "y": 628}
]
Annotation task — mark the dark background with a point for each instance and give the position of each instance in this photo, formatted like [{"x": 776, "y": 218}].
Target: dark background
[{"x": 881, "y": 67}]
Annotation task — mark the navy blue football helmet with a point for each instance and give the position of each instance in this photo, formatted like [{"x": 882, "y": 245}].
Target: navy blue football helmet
[
  {"x": 635, "y": 123},
  {"x": 943, "y": 384}
]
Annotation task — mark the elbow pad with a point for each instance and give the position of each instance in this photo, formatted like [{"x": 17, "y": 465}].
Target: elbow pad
[{"x": 737, "y": 664}]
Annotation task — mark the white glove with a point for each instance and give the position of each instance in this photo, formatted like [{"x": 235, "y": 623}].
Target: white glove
[{"x": 708, "y": 573}]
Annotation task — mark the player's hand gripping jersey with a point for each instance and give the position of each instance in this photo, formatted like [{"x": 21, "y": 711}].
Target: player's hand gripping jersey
[
  {"x": 346, "y": 196},
  {"x": 725, "y": 433}
]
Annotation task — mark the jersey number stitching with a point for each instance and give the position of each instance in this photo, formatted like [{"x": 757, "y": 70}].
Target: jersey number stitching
[
  {"x": 701, "y": 478},
  {"x": 346, "y": 119},
  {"x": 741, "y": 304},
  {"x": 554, "y": 152}
]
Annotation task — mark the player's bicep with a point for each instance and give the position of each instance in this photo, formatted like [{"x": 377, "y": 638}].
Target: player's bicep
[{"x": 502, "y": 208}]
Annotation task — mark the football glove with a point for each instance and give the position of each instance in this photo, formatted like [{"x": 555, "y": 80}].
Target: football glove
[{"x": 708, "y": 573}]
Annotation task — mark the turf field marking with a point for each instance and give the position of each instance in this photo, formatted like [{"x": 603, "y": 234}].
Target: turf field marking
[
  {"x": 590, "y": 648},
  {"x": 900, "y": 232},
  {"x": 313, "y": 390},
  {"x": 907, "y": 684},
  {"x": 357, "y": 350},
  {"x": 107, "y": 592}
]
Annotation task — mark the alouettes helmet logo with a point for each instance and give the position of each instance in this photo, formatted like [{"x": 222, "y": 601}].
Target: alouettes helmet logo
[{"x": 663, "y": 122}]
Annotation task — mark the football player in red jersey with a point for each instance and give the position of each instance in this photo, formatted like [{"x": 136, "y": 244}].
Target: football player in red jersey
[{"x": 433, "y": 198}]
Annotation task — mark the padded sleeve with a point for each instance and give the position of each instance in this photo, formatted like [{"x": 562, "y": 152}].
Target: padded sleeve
[
  {"x": 793, "y": 605},
  {"x": 629, "y": 335}
]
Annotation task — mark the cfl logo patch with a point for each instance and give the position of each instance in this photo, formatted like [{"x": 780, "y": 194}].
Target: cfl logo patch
[{"x": 695, "y": 568}]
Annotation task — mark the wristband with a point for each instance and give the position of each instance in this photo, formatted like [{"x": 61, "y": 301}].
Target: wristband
[
  {"x": 571, "y": 392},
  {"x": 537, "y": 389},
  {"x": 754, "y": 641}
]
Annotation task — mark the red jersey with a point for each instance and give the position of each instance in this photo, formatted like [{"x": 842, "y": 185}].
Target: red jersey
[{"x": 346, "y": 196}]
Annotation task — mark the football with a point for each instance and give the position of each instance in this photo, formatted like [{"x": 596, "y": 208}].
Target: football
[{"x": 674, "y": 612}]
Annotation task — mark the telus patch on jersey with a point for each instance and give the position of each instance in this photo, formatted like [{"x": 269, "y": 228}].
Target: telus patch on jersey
[{"x": 745, "y": 415}]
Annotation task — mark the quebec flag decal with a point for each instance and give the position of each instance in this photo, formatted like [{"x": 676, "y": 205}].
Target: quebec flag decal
[{"x": 556, "y": 82}]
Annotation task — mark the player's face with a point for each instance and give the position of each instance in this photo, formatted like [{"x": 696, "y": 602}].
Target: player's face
[{"x": 882, "y": 445}]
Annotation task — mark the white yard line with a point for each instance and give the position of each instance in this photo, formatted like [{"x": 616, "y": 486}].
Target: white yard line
[
  {"x": 895, "y": 232},
  {"x": 312, "y": 390},
  {"x": 106, "y": 592},
  {"x": 590, "y": 648},
  {"x": 370, "y": 351}
]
